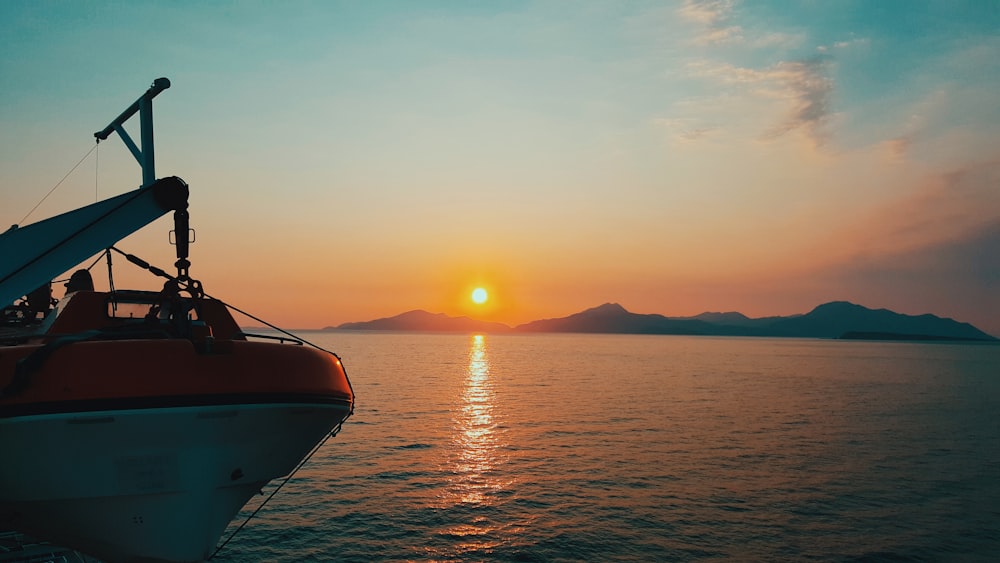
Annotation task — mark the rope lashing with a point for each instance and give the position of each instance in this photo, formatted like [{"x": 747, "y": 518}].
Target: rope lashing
[{"x": 59, "y": 183}]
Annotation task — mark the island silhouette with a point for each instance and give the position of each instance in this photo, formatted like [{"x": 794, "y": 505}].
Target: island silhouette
[{"x": 837, "y": 319}]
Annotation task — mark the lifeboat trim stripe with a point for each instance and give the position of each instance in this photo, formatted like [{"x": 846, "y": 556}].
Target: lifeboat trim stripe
[{"x": 156, "y": 402}]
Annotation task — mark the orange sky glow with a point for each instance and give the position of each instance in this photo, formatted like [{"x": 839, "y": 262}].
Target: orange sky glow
[{"x": 354, "y": 161}]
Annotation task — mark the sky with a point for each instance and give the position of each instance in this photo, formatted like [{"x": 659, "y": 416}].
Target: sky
[{"x": 355, "y": 160}]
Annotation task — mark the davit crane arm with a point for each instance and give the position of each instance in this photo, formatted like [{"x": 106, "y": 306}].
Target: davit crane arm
[{"x": 34, "y": 254}]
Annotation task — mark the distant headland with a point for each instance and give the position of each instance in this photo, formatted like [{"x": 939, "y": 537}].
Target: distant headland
[{"x": 837, "y": 319}]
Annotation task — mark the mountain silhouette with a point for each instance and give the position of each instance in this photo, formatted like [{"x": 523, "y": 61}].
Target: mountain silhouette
[
  {"x": 420, "y": 320},
  {"x": 837, "y": 319},
  {"x": 612, "y": 317},
  {"x": 731, "y": 318}
]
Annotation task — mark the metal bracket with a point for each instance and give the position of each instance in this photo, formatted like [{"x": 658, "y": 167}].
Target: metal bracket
[{"x": 144, "y": 105}]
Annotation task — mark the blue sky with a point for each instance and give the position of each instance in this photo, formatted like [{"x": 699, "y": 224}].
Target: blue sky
[{"x": 674, "y": 157}]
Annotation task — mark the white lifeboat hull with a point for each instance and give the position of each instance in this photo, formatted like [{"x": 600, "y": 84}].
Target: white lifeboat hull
[{"x": 155, "y": 484}]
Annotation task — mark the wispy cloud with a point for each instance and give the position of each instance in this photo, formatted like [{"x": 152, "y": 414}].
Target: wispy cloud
[
  {"x": 777, "y": 39},
  {"x": 841, "y": 45},
  {"x": 715, "y": 17},
  {"x": 914, "y": 127},
  {"x": 944, "y": 207},
  {"x": 808, "y": 88},
  {"x": 685, "y": 130},
  {"x": 802, "y": 86}
]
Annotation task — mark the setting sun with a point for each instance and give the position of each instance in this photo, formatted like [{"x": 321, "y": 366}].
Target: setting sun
[{"x": 479, "y": 295}]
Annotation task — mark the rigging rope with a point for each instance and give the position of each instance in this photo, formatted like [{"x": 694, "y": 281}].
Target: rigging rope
[
  {"x": 163, "y": 274},
  {"x": 97, "y": 170},
  {"x": 88, "y": 268},
  {"x": 57, "y": 184},
  {"x": 336, "y": 430},
  {"x": 111, "y": 281},
  {"x": 332, "y": 433},
  {"x": 96, "y": 260}
]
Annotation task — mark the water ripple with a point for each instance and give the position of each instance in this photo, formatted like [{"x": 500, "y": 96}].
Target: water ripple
[{"x": 583, "y": 448}]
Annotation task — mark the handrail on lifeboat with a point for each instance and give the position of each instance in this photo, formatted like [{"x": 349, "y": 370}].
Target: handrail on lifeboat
[{"x": 281, "y": 339}]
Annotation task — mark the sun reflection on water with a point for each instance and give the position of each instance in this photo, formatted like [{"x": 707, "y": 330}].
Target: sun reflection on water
[
  {"x": 477, "y": 480},
  {"x": 476, "y": 440}
]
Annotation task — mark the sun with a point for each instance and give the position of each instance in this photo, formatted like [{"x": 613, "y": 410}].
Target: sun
[{"x": 479, "y": 295}]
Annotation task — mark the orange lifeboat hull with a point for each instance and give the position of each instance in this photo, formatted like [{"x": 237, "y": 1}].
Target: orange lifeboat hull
[
  {"x": 94, "y": 375},
  {"x": 144, "y": 450}
]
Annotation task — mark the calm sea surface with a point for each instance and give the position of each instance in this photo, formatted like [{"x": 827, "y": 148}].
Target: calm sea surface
[{"x": 643, "y": 448}]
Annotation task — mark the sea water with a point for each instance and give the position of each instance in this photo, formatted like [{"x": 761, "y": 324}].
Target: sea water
[{"x": 647, "y": 448}]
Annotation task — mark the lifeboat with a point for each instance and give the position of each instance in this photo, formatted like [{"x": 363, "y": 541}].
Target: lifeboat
[{"x": 136, "y": 424}]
